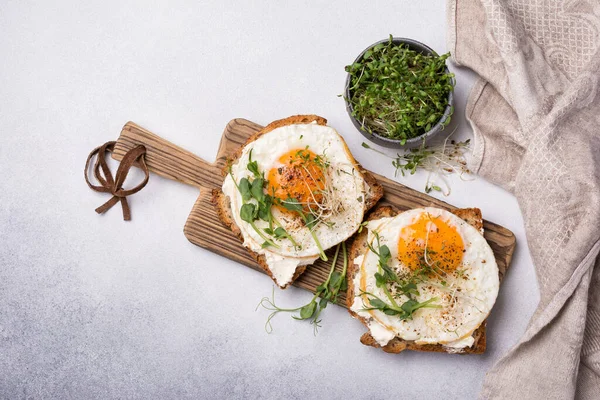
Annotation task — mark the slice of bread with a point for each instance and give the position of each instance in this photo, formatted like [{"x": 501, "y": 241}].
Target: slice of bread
[
  {"x": 358, "y": 246},
  {"x": 222, "y": 202}
]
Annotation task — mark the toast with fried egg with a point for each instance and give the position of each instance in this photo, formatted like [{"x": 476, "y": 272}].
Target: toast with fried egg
[
  {"x": 284, "y": 136},
  {"x": 359, "y": 246}
]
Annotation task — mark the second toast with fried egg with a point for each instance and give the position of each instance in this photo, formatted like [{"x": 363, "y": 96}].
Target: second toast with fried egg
[{"x": 423, "y": 280}]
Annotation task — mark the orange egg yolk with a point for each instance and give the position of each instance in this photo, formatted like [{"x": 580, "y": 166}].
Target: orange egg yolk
[
  {"x": 444, "y": 245},
  {"x": 299, "y": 176}
]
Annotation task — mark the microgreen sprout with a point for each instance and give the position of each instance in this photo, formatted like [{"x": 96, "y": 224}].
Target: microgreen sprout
[
  {"x": 321, "y": 202},
  {"x": 362, "y": 226},
  {"x": 439, "y": 161},
  {"x": 325, "y": 201},
  {"x": 260, "y": 208},
  {"x": 386, "y": 278},
  {"x": 398, "y": 92},
  {"x": 309, "y": 220}
]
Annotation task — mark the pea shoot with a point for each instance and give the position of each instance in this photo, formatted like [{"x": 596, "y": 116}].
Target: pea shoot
[
  {"x": 326, "y": 292},
  {"x": 261, "y": 207},
  {"x": 257, "y": 204},
  {"x": 405, "y": 288},
  {"x": 397, "y": 92},
  {"x": 309, "y": 220}
]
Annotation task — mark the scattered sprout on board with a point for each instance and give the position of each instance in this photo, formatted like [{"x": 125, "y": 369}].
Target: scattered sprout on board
[
  {"x": 439, "y": 160},
  {"x": 326, "y": 292}
]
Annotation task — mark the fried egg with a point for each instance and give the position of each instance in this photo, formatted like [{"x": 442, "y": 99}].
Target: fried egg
[
  {"x": 450, "y": 262},
  {"x": 309, "y": 164}
]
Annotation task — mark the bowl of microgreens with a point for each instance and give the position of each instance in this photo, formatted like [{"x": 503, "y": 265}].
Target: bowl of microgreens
[{"x": 399, "y": 93}]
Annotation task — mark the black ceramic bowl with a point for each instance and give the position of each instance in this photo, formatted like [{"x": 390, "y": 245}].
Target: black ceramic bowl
[{"x": 396, "y": 143}]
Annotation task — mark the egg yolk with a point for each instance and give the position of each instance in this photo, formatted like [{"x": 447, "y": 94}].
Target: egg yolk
[
  {"x": 444, "y": 245},
  {"x": 299, "y": 176}
]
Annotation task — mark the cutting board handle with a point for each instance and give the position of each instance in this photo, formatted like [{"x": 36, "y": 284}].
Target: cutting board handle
[{"x": 166, "y": 159}]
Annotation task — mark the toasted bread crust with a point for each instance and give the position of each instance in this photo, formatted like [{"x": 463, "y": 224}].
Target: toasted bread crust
[
  {"x": 358, "y": 246},
  {"x": 375, "y": 187},
  {"x": 223, "y": 205},
  {"x": 471, "y": 216}
]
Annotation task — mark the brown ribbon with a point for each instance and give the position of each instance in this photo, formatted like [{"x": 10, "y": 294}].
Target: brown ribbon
[{"x": 114, "y": 186}]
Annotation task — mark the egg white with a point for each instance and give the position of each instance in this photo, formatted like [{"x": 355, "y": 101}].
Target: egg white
[
  {"x": 466, "y": 298},
  {"x": 347, "y": 180}
]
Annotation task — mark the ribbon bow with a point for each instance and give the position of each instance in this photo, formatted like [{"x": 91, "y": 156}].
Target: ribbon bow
[{"x": 114, "y": 186}]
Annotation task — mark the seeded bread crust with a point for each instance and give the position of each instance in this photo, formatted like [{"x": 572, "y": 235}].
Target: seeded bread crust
[
  {"x": 358, "y": 246},
  {"x": 223, "y": 204}
]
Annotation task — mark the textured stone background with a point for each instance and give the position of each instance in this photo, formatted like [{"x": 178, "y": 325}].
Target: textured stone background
[{"x": 93, "y": 307}]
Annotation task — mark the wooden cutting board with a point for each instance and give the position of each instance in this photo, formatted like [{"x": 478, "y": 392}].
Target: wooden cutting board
[{"x": 204, "y": 228}]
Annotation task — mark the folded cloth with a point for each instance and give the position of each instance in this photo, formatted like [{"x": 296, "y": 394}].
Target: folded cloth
[{"x": 535, "y": 114}]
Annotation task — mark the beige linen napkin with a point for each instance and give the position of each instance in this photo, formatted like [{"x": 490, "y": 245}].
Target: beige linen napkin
[{"x": 535, "y": 114}]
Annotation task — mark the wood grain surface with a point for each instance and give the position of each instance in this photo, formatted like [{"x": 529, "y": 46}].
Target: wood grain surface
[{"x": 204, "y": 228}]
